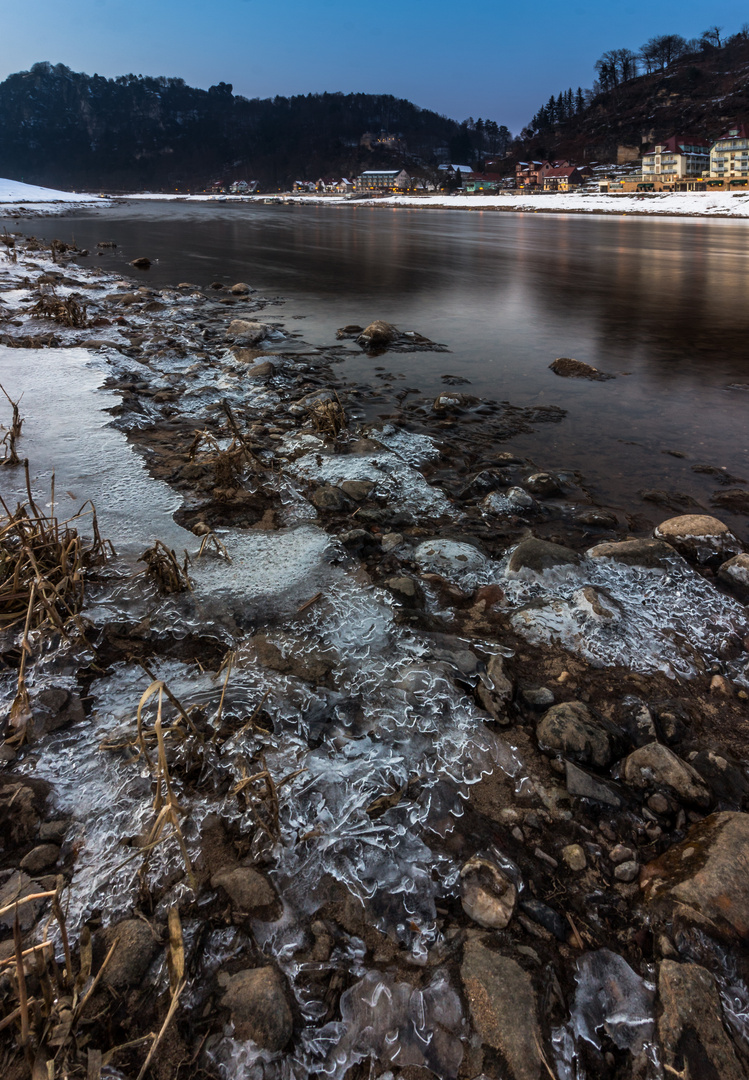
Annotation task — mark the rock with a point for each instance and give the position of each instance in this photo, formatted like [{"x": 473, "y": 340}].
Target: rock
[
  {"x": 405, "y": 587},
  {"x": 659, "y": 804},
  {"x": 569, "y": 728},
  {"x": 249, "y": 333},
  {"x": 538, "y": 697},
  {"x": 627, "y": 871},
  {"x": 290, "y": 656},
  {"x": 327, "y": 497},
  {"x": 720, "y": 685},
  {"x": 135, "y": 949},
  {"x": 647, "y": 553},
  {"x": 448, "y": 557},
  {"x": 574, "y": 856},
  {"x": 504, "y": 1009},
  {"x": 377, "y": 335},
  {"x": 141, "y": 263},
  {"x": 543, "y": 484},
  {"x": 40, "y": 858},
  {"x": 256, "y": 998},
  {"x": 585, "y": 786},
  {"x": 495, "y": 688},
  {"x": 22, "y": 802},
  {"x": 357, "y": 489},
  {"x": 597, "y": 518},
  {"x": 260, "y": 371},
  {"x": 621, "y": 853},
  {"x": 53, "y": 831},
  {"x": 487, "y": 894},
  {"x": 128, "y": 298},
  {"x": 448, "y": 400},
  {"x": 216, "y": 285},
  {"x": 734, "y": 572},
  {"x": 53, "y": 709},
  {"x": 349, "y": 331},
  {"x": 734, "y": 499},
  {"x": 692, "y": 1036},
  {"x": 547, "y": 917},
  {"x": 597, "y": 605},
  {"x": 726, "y": 777},
  {"x": 241, "y": 289},
  {"x": 537, "y": 556},
  {"x": 246, "y": 888},
  {"x": 390, "y": 541},
  {"x": 699, "y": 537},
  {"x": 577, "y": 369},
  {"x": 17, "y": 887},
  {"x": 705, "y": 878},
  {"x": 655, "y": 765}
]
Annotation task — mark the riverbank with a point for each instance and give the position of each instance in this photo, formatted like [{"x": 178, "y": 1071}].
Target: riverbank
[
  {"x": 670, "y": 204},
  {"x": 435, "y": 730}
]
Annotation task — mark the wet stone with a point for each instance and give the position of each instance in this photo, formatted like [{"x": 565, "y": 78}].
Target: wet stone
[
  {"x": 569, "y": 728},
  {"x": 699, "y": 537},
  {"x": 259, "y": 1007},
  {"x": 655, "y": 765},
  {"x": 132, "y": 956},
  {"x": 735, "y": 573},
  {"x": 539, "y": 555},
  {"x": 328, "y": 498},
  {"x": 574, "y": 857},
  {"x": 487, "y": 894},
  {"x": 504, "y": 1008},
  {"x": 705, "y": 878},
  {"x": 40, "y": 858},
  {"x": 646, "y": 553},
  {"x": 569, "y": 368},
  {"x": 538, "y": 697},
  {"x": 357, "y": 489},
  {"x": 246, "y": 888},
  {"x": 627, "y": 871},
  {"x": 543, "y": 484},
  {"x": 585, "y": 786},
  {"x": 692, "y": 1037}
]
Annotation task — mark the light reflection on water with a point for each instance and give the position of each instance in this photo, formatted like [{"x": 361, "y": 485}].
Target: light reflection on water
[{"x": 660, "y": 302}]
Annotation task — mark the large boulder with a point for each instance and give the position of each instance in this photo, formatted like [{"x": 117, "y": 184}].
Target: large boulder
[
  {"x": 504, "y": 1009},
  {"x": 569, "y": 368},
  {"x": 569, "y": 729},
  {"x": 259, "y": 1007},
  {"x": 705, "y": 878},
  {"x": 655, "y": 766},
  {"x": 699, "y": 537},
  {"x": 690, "y": 1031},
  {"x": 377, "y": 335}
]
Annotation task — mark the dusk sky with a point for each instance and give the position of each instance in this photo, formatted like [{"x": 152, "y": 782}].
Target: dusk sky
[{"x": 497, "y": 61}]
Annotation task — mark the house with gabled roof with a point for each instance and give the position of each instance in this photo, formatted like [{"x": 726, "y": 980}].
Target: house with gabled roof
[{"x": 681, "y": 157}]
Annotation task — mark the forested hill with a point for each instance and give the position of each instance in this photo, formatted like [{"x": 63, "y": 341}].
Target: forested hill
[
  {"x": 671, "y": 87},
  {"x": 62, "y": 128}
]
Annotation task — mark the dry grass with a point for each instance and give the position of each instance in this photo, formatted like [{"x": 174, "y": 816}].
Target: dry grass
[
  {"x": 12, "y": 433},
  {"x": 165, "y": 570},
  {"x": 228, "y": 464},
  {"x": 67, "y": 312},
  {"x": 328, "y": 417}
]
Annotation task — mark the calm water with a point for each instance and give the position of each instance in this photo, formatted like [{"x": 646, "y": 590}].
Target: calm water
[{"x": 662, "y": 303}]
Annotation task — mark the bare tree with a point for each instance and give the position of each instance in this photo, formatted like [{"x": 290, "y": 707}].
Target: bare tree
[{"x": 711, "y": 36}]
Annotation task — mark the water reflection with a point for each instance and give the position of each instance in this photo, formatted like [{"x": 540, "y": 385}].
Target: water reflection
[{"x": 660, "y": 302}]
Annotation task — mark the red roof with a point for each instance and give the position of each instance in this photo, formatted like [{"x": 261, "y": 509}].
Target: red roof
[
  {"x": 677, "y": 141},
  {"x": 567, "y": 170},
  {"x": 742, "y": 132}
]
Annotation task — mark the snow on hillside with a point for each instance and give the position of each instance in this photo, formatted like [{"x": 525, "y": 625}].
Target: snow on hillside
[{"x": 13, "y": 191}]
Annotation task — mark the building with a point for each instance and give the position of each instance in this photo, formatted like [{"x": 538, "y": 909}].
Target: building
[
  {"x": 729, "y": 156},
  {"x": 383, "y": 180},
  {"x": 561, "y": 178},
  {"x": 681, "y": 157},
  {"x": 482, "y": 184},
  {"x": 528, "y": 173}
]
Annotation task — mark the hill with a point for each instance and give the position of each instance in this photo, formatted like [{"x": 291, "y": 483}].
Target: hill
[
  {"x": 700, "y": 93},
  {"x": 132, "y": 133}
]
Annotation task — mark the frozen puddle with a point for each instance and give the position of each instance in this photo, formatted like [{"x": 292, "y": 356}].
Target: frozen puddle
[
  {"x": 664, "y": 619},
  {"x": 66, "y": 431}
]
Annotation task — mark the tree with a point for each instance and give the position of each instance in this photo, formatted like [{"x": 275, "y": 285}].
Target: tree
[
  {"x": 711, "y": 36},
  {"x": 662, "y": 50}
]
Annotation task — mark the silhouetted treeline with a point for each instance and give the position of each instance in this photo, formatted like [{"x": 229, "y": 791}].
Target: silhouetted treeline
[{"x": 68, "y": 129}]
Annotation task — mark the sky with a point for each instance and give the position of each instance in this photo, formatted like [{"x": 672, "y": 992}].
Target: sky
[{"x": 498, "y": 60}]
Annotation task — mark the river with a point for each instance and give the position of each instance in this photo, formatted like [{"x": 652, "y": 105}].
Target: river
[{"x": 661, "y": 303}]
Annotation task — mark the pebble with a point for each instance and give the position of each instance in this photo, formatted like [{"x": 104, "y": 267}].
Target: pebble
[
  {"x": 574, "y": 856},
  {"x": 621, "y": 854},
  {"x": 658, "y": 804},
  {"x": 538, "y": 697},
  {"x": 627, "y": 871}
]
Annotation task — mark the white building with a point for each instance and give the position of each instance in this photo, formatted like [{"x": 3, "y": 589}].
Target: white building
[
  {"x": 729, "y": 156},
  {"x": 679, "y": 158}
]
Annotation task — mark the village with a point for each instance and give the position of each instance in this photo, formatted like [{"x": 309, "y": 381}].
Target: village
[{"x": 680, "y": 163}]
